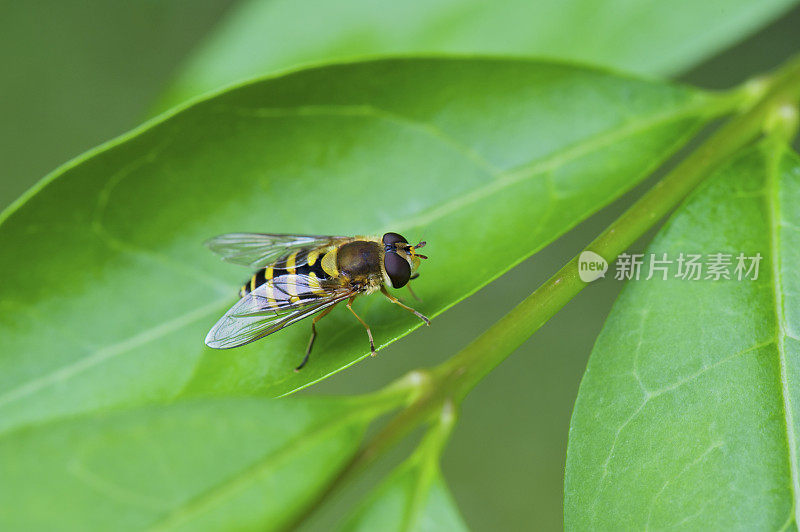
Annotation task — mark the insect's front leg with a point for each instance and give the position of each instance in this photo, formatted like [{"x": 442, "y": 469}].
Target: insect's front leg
[
  {"x": 413, "y": 294},
  {"x": 398, "y": 302}
]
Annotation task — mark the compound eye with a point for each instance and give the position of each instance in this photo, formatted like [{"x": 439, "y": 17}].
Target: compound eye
[
  {"x": 390, "y": 239},
  {"x": 398, "y": 269}
]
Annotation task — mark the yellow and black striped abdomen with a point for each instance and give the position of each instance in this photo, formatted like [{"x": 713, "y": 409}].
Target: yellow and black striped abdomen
[{"x": 310, "y": 265}]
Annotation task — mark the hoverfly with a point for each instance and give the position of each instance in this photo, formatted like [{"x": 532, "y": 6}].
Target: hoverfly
[{"x": 301, "y": 275}]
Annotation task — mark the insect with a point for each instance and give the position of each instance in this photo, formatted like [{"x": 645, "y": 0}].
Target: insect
[{"x": 301, "y": 275}]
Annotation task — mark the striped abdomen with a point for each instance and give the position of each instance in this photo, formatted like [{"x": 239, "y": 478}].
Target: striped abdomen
[{"x": 310, "y": 265}]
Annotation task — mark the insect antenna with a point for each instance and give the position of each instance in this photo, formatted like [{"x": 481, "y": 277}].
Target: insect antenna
[{"x": 415, "y": 248}]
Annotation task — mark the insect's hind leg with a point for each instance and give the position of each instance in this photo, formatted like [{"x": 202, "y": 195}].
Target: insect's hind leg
[
  {"x": 314, "y": 334},
  {"x": 398, "y": 302},
  {"x": 369, "y": 332}
]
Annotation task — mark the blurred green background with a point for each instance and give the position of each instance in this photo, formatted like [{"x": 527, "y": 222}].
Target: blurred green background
[{"x": 78, "y": 73}]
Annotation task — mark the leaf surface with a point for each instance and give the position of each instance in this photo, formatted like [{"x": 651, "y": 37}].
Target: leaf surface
[
  {"x": 108, "y": 292},
  {"x": 413, "y": 497},
  {"x": 388, "y": 507},
  {"x": 687, "y": 416},
  {"x": 645, "y": 36},
  {"x": 213, "y": 464}
]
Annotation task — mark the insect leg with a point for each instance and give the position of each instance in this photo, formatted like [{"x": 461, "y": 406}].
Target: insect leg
[
  {"x": 314, "y": 334},
  {"x": 398, "y": 302},
  {"x": 369, "y": 333},
  {"x": 413, "y": 294}
]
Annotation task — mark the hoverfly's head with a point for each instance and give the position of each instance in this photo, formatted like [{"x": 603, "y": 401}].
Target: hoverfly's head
[{"x": 400, "y": 260}]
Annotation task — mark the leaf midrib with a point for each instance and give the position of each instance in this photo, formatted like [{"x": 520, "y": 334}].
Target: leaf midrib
[
  {"x": 696, "y": 106},
  {"x": 774, "y": 207},
  {"x": 222, "y": 491},
  {"x": 106, "y": 353}
]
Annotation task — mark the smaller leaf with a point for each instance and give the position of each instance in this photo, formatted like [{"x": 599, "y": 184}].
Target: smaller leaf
[
  {"x": 687, "y": 415},
  {"x": 387, "y": 507},
  {"x": 230, "y": 463},
  {"x": 414, "y": 496}
]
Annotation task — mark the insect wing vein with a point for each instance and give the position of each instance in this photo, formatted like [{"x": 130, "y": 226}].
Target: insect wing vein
[
  {"x": 257, "y": 250},
  {"x": 256, "y": 315}
]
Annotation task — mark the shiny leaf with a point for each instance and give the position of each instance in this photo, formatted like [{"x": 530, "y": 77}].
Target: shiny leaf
[
  {"x": 108, "y": 292},
  {"x": 221, "y": 464},
  {"x": 388, "y": 508},
  {"x": 414, "y": 497},
  {"x": 645, "y": 36},
  {"x": 687, "y": 416}
]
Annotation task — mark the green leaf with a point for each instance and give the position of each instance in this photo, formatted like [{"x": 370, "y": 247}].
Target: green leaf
[
  {"x": 243, "y": 463},
  {"x": 687, "y": 416},
  {"x": 387, "y": 508},
  {"x": 414, "y": 497},
  {"x": 108, "y": 291},
  {"x": 645, "y": 36}
]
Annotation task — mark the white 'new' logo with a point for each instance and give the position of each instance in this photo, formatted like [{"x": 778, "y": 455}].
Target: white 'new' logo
[{"x": 591, "y": 266}]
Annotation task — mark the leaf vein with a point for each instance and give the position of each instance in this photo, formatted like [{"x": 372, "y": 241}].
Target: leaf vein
[
  {"x": 106, "y": 353},
  {"x": 368, "y": 110},
  {"x": 219, "y": 493},
  {"x": 774, "y": 210},
  {"x": 503, "y": 179},
  {"x": 713, "y": 447},
  {"x": 115, "y": 243},
  {"x": 650, "y": 395}
]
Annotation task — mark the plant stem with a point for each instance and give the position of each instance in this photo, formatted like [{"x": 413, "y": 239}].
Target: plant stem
[
  {"x": 426, "y": 460},
  {"x": 464, "y": 370},
  {"x": 453, "y": 379}
]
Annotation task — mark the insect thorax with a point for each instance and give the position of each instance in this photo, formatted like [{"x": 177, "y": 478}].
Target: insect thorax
[{"x": 360, "y": 260}]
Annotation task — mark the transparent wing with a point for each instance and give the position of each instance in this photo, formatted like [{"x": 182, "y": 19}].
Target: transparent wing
[
  {"x": 257, "y": 250},
  {"x": 271, "y": 307}
]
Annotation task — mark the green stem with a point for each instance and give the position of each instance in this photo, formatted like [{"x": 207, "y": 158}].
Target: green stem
[
  {"x": 426, "y": 459},
  {"x": 457, "y": 376},
  {"x": 463, "y": 371},
  {"x": 453, "y": 379}
]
